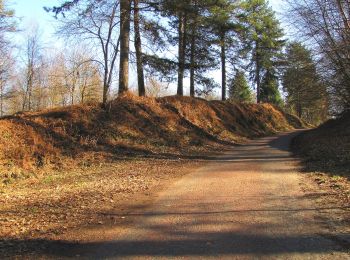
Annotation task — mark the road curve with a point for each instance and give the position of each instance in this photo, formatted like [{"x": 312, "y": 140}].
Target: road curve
[{"x": 245, "y": 204}]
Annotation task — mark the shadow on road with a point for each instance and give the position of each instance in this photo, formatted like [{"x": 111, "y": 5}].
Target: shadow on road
[
  {"x": 201, "y": 244},
  {"x": 234, "y": 151}
]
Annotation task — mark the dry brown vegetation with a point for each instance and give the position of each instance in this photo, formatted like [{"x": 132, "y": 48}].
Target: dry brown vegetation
[
  {"x": 47, "y": 206},
  {"x": 326, "y": 159},
  {"x": 327, "y": 148},
  {"x": 69, "y": 167},
  {"x": 130, "y": 126}
]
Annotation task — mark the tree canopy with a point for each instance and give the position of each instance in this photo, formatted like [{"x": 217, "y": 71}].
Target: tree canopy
[
  {"x": 202, "y": 48},
  {"x": 306, "y": 93},
  {"x": 325, "y": 27}
]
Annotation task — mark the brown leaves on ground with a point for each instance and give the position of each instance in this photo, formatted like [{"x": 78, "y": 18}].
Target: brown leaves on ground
[
  {"x": 67, "y": 167},
  {"x": 325, "y": 152},
  {"x": 332, "y": 197},
  {"x": 49, "y": 204},
  {"x": 327, "y": 148}
]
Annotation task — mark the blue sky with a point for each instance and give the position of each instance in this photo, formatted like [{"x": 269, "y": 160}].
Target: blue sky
[{"x": 31, "y": 12}]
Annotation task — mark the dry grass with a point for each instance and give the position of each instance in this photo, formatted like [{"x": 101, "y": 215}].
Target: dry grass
[
  {"x": 325, "y": 152},
  {"x": 130, "y": 126}
]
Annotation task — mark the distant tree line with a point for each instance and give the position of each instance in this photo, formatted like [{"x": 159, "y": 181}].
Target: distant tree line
[{"x": 45, "y": 80}]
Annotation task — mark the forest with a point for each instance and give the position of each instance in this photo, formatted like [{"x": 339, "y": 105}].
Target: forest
[{"x": 216, "y": 49}]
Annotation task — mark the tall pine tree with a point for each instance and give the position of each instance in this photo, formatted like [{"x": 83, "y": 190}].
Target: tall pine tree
[
  {"x": 306, "y": 94},
  {"x": 263, "y": 42}
]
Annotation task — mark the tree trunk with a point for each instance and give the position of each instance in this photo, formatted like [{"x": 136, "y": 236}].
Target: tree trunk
[
  {"x": 258, "y": 83},
  {"x": 82, "y": 95},
  {"x": 299, "y": 106},
  {"x": 109, "y": 68},
  {"x": 192, "y": 62},
  {"x": 72, "y": 97},
  {"x": 257, "y": 76},
  {"x": 223, "y": 65},
  {"x": 182, "y": 46},
  {"x": 30, "y": 88},
  {"x": 138, "y": 48},
  {"x": 125, "y": 9},
  {"x": 1, "y": 99},
  {"x": 105, "y": 93},
  {"x": 72, "y": 92},
  {"x": 105, "y": 79}
]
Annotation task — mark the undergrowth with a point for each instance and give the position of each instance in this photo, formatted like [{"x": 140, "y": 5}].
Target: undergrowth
[
  {"x": 129, "y": 126},
  {"x": 327, "y": 148}
]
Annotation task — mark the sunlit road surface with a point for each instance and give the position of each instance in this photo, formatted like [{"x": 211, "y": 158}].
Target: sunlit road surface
[{"x": 245, "y": 204}]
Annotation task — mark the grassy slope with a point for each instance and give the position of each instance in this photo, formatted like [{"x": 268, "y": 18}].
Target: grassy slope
[{"x": 131, "y": 126}]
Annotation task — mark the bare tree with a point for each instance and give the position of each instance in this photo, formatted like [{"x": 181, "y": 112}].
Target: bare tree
[
  {"x": 89, "y": 82},
  {"x": 32, "y": 56},
  {"x": 7, "y": 24},
  {"x": 325, "y": 25},
  {"x": 73, "y": 79},
  {"x": 96, "y": 22},
  {"x": 6, "y": 64},
  {"x": 81, "y": 77},
  {"x": 156, "y": 88}
]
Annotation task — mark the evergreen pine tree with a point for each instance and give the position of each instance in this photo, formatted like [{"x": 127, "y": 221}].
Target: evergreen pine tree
[
  {"x": 239, "y": 88},
  {"x": 306, "y": 94},
  {"x": 269, "y": 88},
  {"x": 263, "y": 41}
]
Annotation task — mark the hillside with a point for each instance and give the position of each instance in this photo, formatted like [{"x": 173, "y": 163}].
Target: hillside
[
  {"x": 327, "y": 148},
  {"x": 131, "y": 126},
  {"x": 325, "y": 154}
]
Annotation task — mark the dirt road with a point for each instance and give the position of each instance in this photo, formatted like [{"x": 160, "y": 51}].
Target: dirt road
[{"x": 246, "y": 204}]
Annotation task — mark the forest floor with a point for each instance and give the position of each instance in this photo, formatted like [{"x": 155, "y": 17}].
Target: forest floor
[
  {"x": 48, "y": 205},
  {"x": 64, "y": 168}
]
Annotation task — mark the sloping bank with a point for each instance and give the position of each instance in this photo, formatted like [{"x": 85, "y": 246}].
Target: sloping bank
[
  {"x": 325, "y": 154},
  {"x": 132, "y": 126},
  {"x": 326, "y": 148}
]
